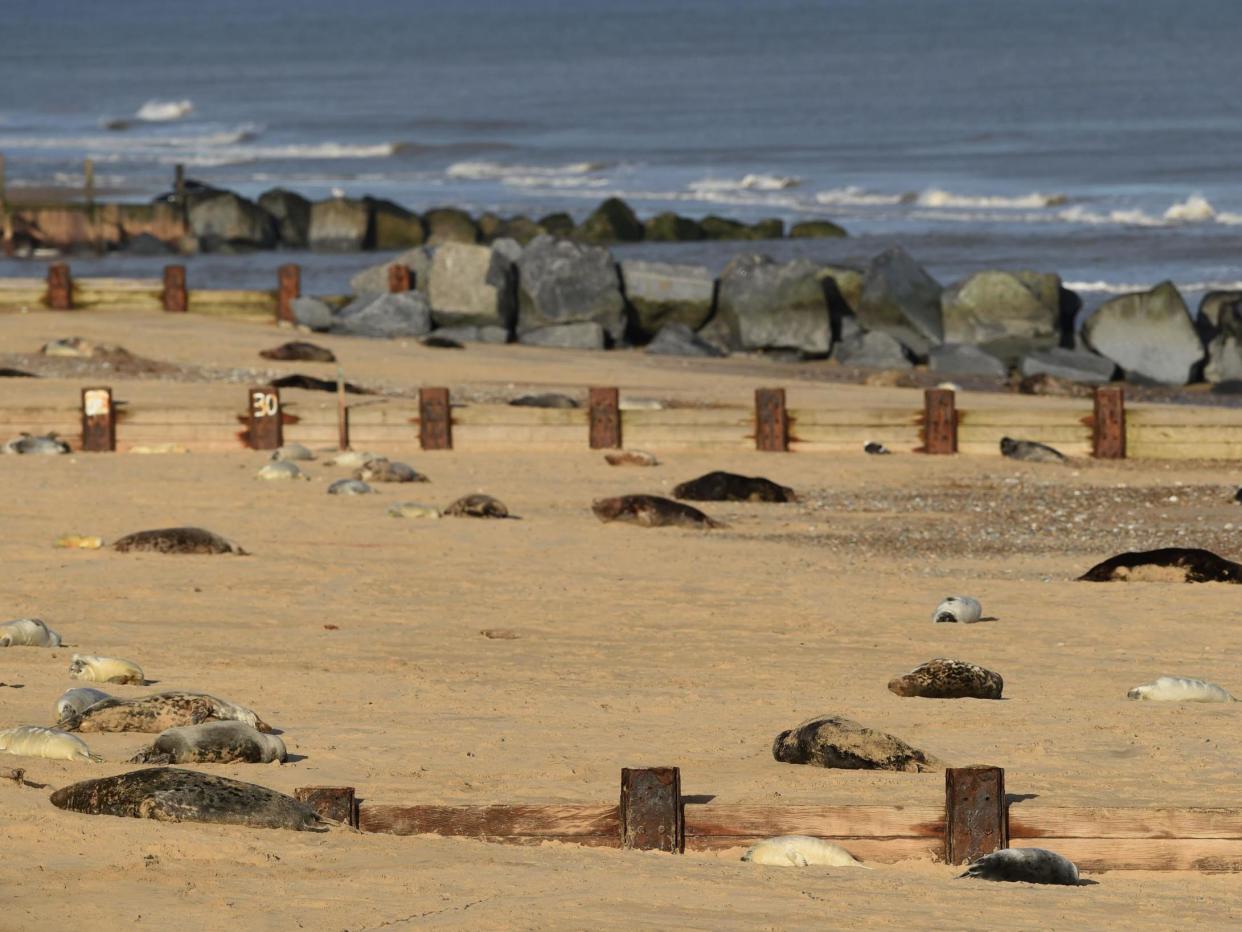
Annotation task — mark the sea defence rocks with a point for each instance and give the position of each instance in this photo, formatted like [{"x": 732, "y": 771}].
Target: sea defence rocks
[
  {"x": 902, "y": 300},
  {"x": 375, "y": 278},
  {"x": 872, "y": 349},
  {"x": 472, "y": 286},
  {"x": 769, "y": 305},
  {"x": 1073, "y": 365},
  {"x": 962, "y": 359},
  {"x": 669, "y": 227},
  {"x": 661, "y": 293},
  {"x": 1005, "y": 313},
  {"x": 579, "y": 335},
  {"x": 1220, "y": 323},
  {"x": 816, "y": 229},
  {"x": 1149, "y": 334},
  {"x": 614, "y": 221},
  {"x": 311, "y": 312},
  {"x": 340, "y": 225},
  {"x": 676, "y": 339},
  {"x": 450, "y": 225},
  {"x": 394, "y": 227},
  {"x": 560, "y": 282},
  {"x": 228, "y": 222},
  {"x": 292, "y": 214},
  {"x": 406, "y": 314}
]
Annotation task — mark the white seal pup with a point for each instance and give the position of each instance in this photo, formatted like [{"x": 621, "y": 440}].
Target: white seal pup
[
  {"x": 1181, "y": 689},
  {"x": 292, "y": 451},
  {"x": 349, "y": 487},
  {"x": 800, "y": 851},
  {"x": 1024, "y": 865},
  {"x": 958, "y": 608},
  {"x": 413, "y": 510},
  {"x": 352, "y": 459},
  {"x": 26, "y": 444},
  {"x": 52, "y": 743},
  {"x": 212, "y": 742},
  {"x": 281, "y": 469},
  {"x": 105, "y": 670},
  {"x": 28, "y": 632},
  {"x": 78, "y": 700}
]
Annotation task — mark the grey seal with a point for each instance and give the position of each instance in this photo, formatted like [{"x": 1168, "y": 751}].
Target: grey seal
[
  {"x": 730, "y": 487},
  {"x": 212, "y": 742},
  {"x": 28, "y": 632},
  {"x": 477, "y": 506},
  {"x": 385, "y": 470},
  {"x": 1030, "y": 451},
  {"x": 349, "y": 487},
  {"x": 155, "y": 713},
  {"x": 1194, "y": 566},
  {"x": 948, "y": 679},
  {"x": 836, "y": 742},
  {"x": 28, "y": 445},
  {"x": 176, "y": 540},
  {"x": 651, "y": 511},
  {"x": 1025, "y": 865}
]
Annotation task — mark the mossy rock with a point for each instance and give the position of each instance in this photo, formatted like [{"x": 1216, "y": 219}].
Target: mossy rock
[
  {"x": 613, "y": 221},
  {"x": 559, "y": 224},
  {"x": 394, "y": 227},
  {"x": 490, "y": 225},
  {"x": 816, "y": 229},
  {"x": 771, "y": 228},
  {"x": 669, "y": 227},
  {"x": 519, "y": 228},
  {"x": 714, "y": 227},
  {"x": 450, "y": 225}
]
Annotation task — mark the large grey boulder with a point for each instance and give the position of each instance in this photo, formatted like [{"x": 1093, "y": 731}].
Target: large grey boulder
[
  {"x": 340, "y": 224},
  {"x": 375, "y": 278},
  {"x": 669, "y": 227},
  {"x": 311, "y": 312},
  {"x": 468, "y": 333},
  {"x": 770, "y": 305},
  {"x": 963, "y": 359},
  {"x": 580, "y": 335},
  {"x": 661, "y": 293},
  {"x": 676, "y": 339},
  {"x": 1073, "y": 365},
  {"x": 872, "y": 349},
  {"x": 901, "y": 299},
  {"x": 394, "y": 227},
  {"x": 405, "y": 314},
  {"x": 1220, "y": 318},
  {"x": 472, "y": 285},
  {"x": 1006, "y": 313},
  {"x": 292, "y": 214},
  {"x": 613, "y": 221},
  {"x": 1149, "y": 334},
  {"x": 226, "y": 221},
  {"x": 450, "y": 225},
  {"x": 560, "y": 282}
]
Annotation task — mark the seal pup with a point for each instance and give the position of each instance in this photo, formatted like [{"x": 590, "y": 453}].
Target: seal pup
[
  {"x": 730, "y": 487},
  {"x": 77, "y": 542},
  {"x": 413, "y": 510},
  {"x": 1181, "y": 689},
  {"x": 352, "y": 459},
  {"x": 28, "y": 632},
  {"x": 77, "y": 700},
  {"x": 349, "y": 487},
  {"x": 156, "y": 712},
  {"x": 544, "y": 400},
  {"x": 169, "y": 794},
  {"x": 281, "y": 470},
  {"x": 176, "y": 540},
  {"x": 212, "y": 743},
  {"x": 876, "y": 449},
  {"x": 1024, "y": 865},
  {"x": 631, "y": 458},
  {"x": 1192, "y": 564},
  {"x": 95, "y": 669},
  {"x": 651, "y": 511},
  {"x": 948, "y": 679},
  {"x": 1030, "y": 451},
  {"x": 840, "y": 743},
  {"x": 477, "y": 506},
  {"x": 800, "y": 851},
  {"x": 299, "y": 351},
  {"x": 958, "y": 608},
  {"x": 385, "y": 470},
  {"x": 292, "y": 451},
  {"x": 52, "y": 743},
  {"x": 27, "y": 445}
]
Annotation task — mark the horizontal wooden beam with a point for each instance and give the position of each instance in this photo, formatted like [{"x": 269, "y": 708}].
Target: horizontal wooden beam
[
  {"x": 1144, "y": 854},
  {"x": 877, "y": 850},
  {"x": 822, "y": 821},
  {"x": 561, "y": 821},
  {"x": 1123, "y": 822}
]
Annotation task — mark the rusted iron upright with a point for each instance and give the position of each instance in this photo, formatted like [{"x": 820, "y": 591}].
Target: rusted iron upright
[
  {"x": 1108, "y": 427},
  {"x": 398, "y": 277},
  {"x": 976, "y": 814},
  {"x": 98, "y": 420},
  {"x": 59, "y": 287},
  {"x": 289, "y": 278},
  {"x": 605, "y": 418},
  {"x": 175, "y": 297},
  {"x": 337, "y": 803},
  {"x": 771, "y": 420},
  {"x": 6, "y": 220},
  {"x": 266, "y": 428},
  {"x": 435, "y": 419},
  {"x": 652, "y": 816},
  {"x": 939, "y": 421}
]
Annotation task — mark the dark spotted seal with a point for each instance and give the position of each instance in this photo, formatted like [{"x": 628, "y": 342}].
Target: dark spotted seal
[
  {"x": 168, "y": 794},
  {"x": 176, "y": 540},
  {"x": 155, "y": 713},
  {"x": 477, "y": 506},
  {"x": 1030, "y": 451},
  {"x": 1186, "y": 564},
  {"x": 544, "y": 400},
  {"x": 836, "y": 742},
  {"x": 212, "y": 743},
  {"x": 948, "y": 679},
  {"x": 730, "y": 487},
  {"x": 385, "y": 470},
  {"x": 1025, "y": 865},
  {"x": 651, "y": 511},
  {"x": 299, "y": 351}
]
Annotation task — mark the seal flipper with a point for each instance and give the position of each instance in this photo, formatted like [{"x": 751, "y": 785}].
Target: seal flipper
[{"x": 151, "y": 755}]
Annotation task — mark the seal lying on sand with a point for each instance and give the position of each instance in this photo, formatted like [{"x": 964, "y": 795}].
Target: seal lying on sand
[
  {"x": 836, "y": 742},
  {"x": 154, "y": 713},
  {"x": 176, "y": 540},
  {"x": 212, "y": 743},
  {"x": 730, "y": 487},
  {"x": 95, "y": 669},
  {"x": 413, "y": 510},
  {"x": 1188, "y": 564},
  {"x": 313, "y": 384},
  {"x": 52, "y": 743},
  {"x": 1030, "y": 451},
  {"x": 631, "y": 458},
  {"x": 948, "y": 679},
  {"x": 292, "y": 451},
  {"x": 27, "y": 632},
  {"x": 78, "y": 700},
  {"x": 352, "y": 459},
  {"x": 169, "y": 794},
  {"x": 958, "y": 608},
  {"x": 800, "y": 851},
  {"x": 349, "y": 487},
  {"x": 1024, "y": 865},
  {"x": 281, "y": 470},
  {"x": 651, "y": 511},
  {"x": 1181, "y": 689},
  {"x": 299, "y": 351},
  {"x": 544, "y": 400},
  {"x": 477, "y": 506},
  {"x": 385, "y": 470},
  {"x": 27, "y": 445}
]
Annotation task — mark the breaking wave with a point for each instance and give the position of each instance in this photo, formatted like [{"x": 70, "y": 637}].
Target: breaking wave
[
  {"x": 937, "y": 197},
  {"x": 752, "y": 182},
  {"x": 164, "y": 111}
]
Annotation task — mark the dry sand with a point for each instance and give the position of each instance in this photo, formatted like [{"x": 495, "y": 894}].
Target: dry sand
[{"x": 636, "y": 647}]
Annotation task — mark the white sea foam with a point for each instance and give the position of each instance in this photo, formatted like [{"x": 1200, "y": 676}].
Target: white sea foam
[
  {"x": 938, "y": 197},
  {"x": 497, "y": 171},
  {"x": 1105, "y": 287},
  {"x": 1195, "y": 209},
  {"x": 751, "y": 182},
  {"x": 163, "y": 111},
  {"x": 854, "y": 196}
]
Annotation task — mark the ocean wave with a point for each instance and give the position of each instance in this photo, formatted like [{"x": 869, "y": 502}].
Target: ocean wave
[
  {"x": 124, "y": 143},
  {"x": 239, "y": 155},
  {"x": 937, "y": 197},
  {"x": 164, "y": 111},
  {"x": 854, "y": 196},
  {"x": 1118, "y": 288},
  {"x": 1195, "y": 209},
  {"x": 752, "y": 182},
  {"x": 497, "y": 171}
]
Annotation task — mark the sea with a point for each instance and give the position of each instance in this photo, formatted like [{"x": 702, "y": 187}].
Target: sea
[{"x": 1099, "y": 139}]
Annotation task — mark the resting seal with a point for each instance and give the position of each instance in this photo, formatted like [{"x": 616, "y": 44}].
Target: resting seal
[
  {"x": 28, "y": 632},
  {"x": 839, "y": 743},
  {"x": 958, "y": 608},
  {"x": 212, "y": 743},
  {"x": 172, "y": 795},
  {"x": 631, "y": 458},
  {"x": 651, "y": 511},
  {"x": 299, "y": 351},
  {"x": 413, "y": 510},
  {"x": 176, "y": 540},
  {"x": 27, "y": 445},
  {"x": 1030, "y": 451},
  {"x": 1192, "y": 564},
  {"x": 1024, "y": 865},
  {"x": 800, "y": 851},
  {"x": 544, "y": 400},
  {"x": 281, "y": 469},
  {"x": 349, "y": 487},
  {"x": 948, "y": 679},
  {"x": 730, "y": 487},
  {"x": 154, "y": 713},
  {"x": 52, "y": 743},
  {"x": 105, "y": 670},
  {"x": 77, "y": 700},
  {"x": 384, "y": 470},
  {"x": 477, "y": 506},
  {"x": 292, "y": 451},
  {"x": 1181, "y": 689}
]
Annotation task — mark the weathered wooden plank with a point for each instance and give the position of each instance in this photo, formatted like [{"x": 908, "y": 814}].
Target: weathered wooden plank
[
  {"x": 761, "y": 821},
  {"x": 537, "y": 821},
  {"x": 856, "y": 435},
  {"x": 1186, "y": 433},
  {"x": 515, "y": 416},
  {"x": 1202, "y": 450},
  {"x": 867, "y": 417},
  {"x": 1023, "y": 417},
  {"x": 1145, "y": 854},
  {"x": 1182, "y": 416},
  {"x": 724, "y": 436},
  {"x": 992, "y": 447},
  {"x": 497, "y": 435},
  {"x": 688, "y": 417},
  {"x": 1044, "y": 433},
  {"x": 875, "y": 850},
  {"x": 1034, "y": 821}
]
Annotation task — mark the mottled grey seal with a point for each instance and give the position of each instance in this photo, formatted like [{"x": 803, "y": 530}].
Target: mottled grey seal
[
  {"x": 800, "y": 851},
  {"x": 292, "y": 451},
  {"x": 52, "y": 743},
  {"x": 96, "y": 669},
  {"x": 212, "y": 743},
  {"x": 77, "y": 700},
  {"x": 1030, "y": 451},
  {"x": 1181, "y": 689},
  {"x": 385, "y": 470},
  {"x": 176, "y": 540},
  {"x": 876, "y": 449},
  {"x": 281, "y": 470},
  {"x": 1025, "y": 865},
  {"x": 351, "y": 459},
  {"x": 840, "y": 743},
  {"x": 156, "y": 712},
  {"x": 631, "y": 458},
  {"x": 948, "y": 679},
  {"x": 730, "y": 487},
  {"x": 349, "y": 487},
  {"x": 28, "y": 632},
  {"x": 28, "y": 445},
  {"x": 299, "y": 351},
  {"x": 544, "y": 400},
  {"x": 651, "y": 511},
  {"x": 169, "y": 794},
  {"x": 1191, "y": 564},
  {"x": 958, "y": 608},
  {"x": 477, "y": 506}
]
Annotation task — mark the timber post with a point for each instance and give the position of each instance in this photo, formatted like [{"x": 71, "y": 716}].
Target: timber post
[
  {"x": 398, "y": 278},
  {"x": 98, "y": 421},
  {"x": 652, "y": 816},
  {"x": 289, "y": 288},
  {"x": 604, "y": 418},
  {"x": 976, "y": 815},
  {"x": 175, "y": 297},
  {"x": 59, "y": 287},
  {"x": 771, "y": 420},
  {"x": 1108, "y": 425},
  {"x": 435, "y": 419},
  {"x": 939, "y": 421},
  {"x": 266, "y": 430}
]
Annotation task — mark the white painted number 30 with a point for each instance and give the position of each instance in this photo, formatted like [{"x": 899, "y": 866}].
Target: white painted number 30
[{"x": 265, "y": 404}]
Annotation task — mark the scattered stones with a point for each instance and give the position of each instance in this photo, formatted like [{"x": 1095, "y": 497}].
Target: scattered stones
[
  {"x": 311, "y": 313},
  {"x": 1149, "y": 334},
  {"x": 874, "y": 349},
  {"x": 840, "y": 743}
]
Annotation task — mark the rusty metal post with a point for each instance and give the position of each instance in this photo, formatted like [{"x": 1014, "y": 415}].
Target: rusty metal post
[
  {"x": 98, "y": 421},
  {"x": 771, "y": 420},
  {"x": 435, "y": 419},
  {"x": 939, "y": 421},
  {"x": 266, "y": 430},
  {"x": 398, "y": 277},
  {"x": 337, "y": 803},
  {"x": 605, "y": 418},
  {"x": 342, "y": 412},
  {"x": 1108, "y": 427},
  {"x": 976, "y": 815},
  {"x": 290, "y": 288},
  {"x": 652, "y": 816},
  {"x": 175, "y": 296},
  {"x": 59, "y": 287}
]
